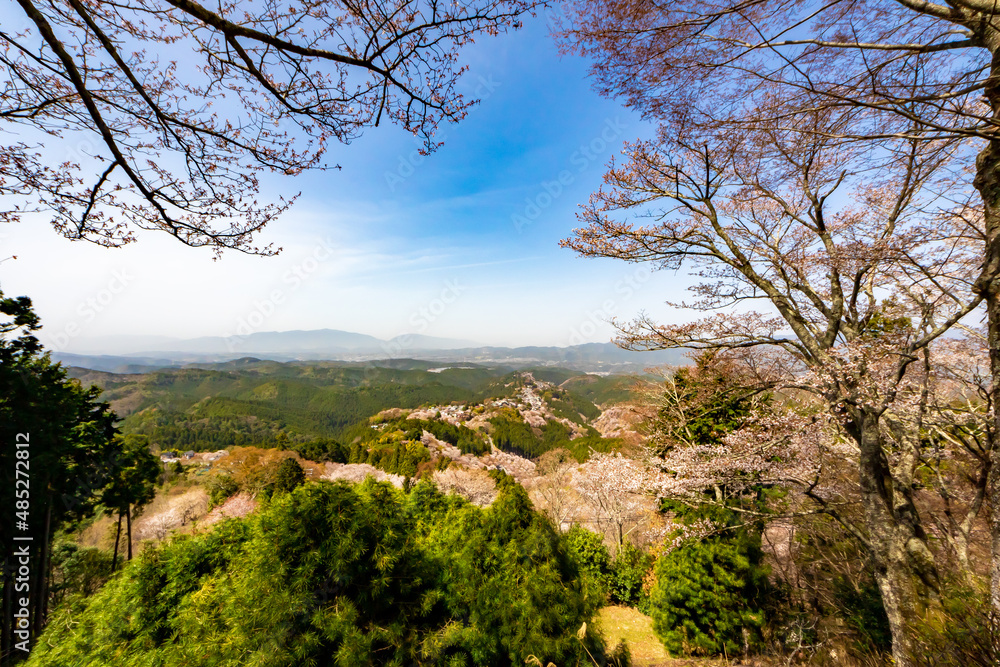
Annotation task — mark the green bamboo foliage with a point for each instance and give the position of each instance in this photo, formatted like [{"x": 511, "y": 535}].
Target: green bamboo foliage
[{"x": 333, "y": 574}]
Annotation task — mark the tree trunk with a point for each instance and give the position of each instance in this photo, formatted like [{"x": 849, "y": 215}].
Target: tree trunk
[
  {"x": 118, "y": 533},
  {"x": 995, "y": 530},
  {"x": 42, "y": 578},
  {"x": 904, "y": 567},
  {"x": 987, "y": 182},
  {"x": 128, "y": 523}
]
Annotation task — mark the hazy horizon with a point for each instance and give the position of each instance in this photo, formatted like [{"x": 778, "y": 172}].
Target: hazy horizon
[
  {"x": 463, "y": 243},
  {"x": 132, "y": 344}
]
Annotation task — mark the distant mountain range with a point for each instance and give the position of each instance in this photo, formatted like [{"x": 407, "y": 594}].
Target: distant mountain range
[
  {"x": 304, "y": 344},
  {"x": 136, "y": 354}
]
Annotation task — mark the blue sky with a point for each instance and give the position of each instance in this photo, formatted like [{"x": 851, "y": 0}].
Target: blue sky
[{"x": 461, "y": 244}]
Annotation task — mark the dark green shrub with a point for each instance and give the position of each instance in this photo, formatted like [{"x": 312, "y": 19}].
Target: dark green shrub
[
  {"x": 587, "y": 550},
  {"x": 628, "y": 571},
  {"x": 288, "y": 476},
  {"x": 333, "y": 574},
  {"x": 711, "y": 594},
  {"x": 77, "y": 571},
  {"x": 322, "y": 450}
]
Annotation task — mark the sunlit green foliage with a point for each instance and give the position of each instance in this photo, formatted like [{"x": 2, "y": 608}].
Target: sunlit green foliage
[
  {"x": 464, "y": 438},
  {"x": 703, "y": 403},
  {"x": 962, "y": 633},
  {"x": 220, "y": 487},
  {"x": 390, "y": 450},
  {"x": 511, "y": 434},
  {"x": 711, "y": 594},
  {"x": 569, "y": 406},
  {"x": 331, "y": 574},
  {"x": 626, "y": 575},
  {"x": 587, "y": 549}
]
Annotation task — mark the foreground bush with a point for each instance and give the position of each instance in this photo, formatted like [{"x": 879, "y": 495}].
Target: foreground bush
[
  {"x": 961, "y": 633},
  {"x": 331, "y": 574},
  {"x": 711, "y": 594},
  {"x": 628, "y": 571},
  {"x": 587, "y": 550}
]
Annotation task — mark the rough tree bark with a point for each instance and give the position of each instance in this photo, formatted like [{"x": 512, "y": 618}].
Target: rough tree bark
[
  {"x": 987, "y": 182},
  {"x": 902, "y": 559},
  {"x": 995, "y": 525},
  {"x": 128, "y": 523}
]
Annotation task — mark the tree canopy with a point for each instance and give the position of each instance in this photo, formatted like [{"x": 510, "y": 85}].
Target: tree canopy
[
  {"x": 59, "y": 452},
  {"x": 333, "y": 574},
  {"x": 861, "y": 75}
]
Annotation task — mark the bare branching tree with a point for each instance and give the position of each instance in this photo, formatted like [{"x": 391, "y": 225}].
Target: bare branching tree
[
  {"x": 861, "y": 267},
  {"x": 892, "y": 69},
  {"x": 181, "y": 106}
]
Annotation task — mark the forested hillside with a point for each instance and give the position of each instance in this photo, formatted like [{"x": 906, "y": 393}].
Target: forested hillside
[{"x": 269, "y": 404}]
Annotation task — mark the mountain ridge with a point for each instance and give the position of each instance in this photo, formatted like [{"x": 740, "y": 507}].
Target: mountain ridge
[{"x": 335, "y": 345}]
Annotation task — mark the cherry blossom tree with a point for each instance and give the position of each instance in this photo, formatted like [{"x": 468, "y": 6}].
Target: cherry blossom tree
[
  {"x": 553, "y": 494},
  {"x": 920, "y": 69},
  {"x": 620, "y": 493},
  {"x": 184, "y": 105},
  {"x": 862, "y": 269},
  {"x": 941, "y": 417},
  {"x": 473, "y": 484},
  {"x": 960, "y": 423}
]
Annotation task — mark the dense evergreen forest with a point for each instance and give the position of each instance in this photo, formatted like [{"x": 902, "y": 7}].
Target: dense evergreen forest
[
  {"x": 264, "y": 403},
  {"x": 341, "y": 575}
]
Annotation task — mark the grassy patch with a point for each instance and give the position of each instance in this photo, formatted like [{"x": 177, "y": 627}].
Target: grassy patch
[{"x": 637, "y": 629}]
